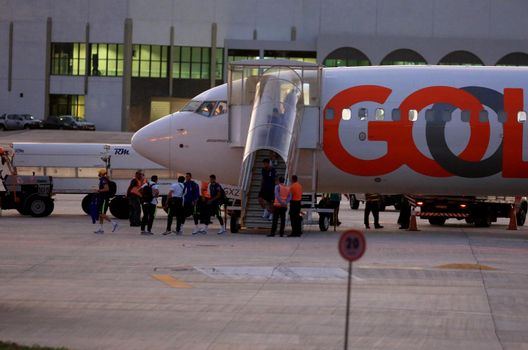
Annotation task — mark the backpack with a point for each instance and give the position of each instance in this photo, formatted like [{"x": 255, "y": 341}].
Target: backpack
[
  {"x": 146, "y": 194},
  {"x": 112, "y": 188}
]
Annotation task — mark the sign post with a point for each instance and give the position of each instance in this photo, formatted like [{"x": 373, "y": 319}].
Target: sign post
[{"x": 352, "y": 246}]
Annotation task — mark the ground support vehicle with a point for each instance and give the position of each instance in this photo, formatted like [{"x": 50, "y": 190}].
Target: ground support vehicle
[
  {"x": 480, "y": 211},
  {"x": 386, "y": 200},
  {"x": 29, "y": 195}
]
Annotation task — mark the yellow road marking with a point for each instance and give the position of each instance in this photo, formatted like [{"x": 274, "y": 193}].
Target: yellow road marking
[
  {"x": 171, "y": 281},
  {"x": 467, "y": 267}
]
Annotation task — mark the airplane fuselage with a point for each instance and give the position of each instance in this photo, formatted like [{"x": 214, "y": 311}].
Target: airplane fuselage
[{"x": 392, "y": 129}]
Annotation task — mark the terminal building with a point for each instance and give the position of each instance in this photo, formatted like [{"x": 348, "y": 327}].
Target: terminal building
[{"x": 124, "y": 63}]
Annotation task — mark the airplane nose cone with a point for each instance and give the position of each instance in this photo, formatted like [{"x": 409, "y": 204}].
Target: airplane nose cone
[{"x": 153, "y": 141}]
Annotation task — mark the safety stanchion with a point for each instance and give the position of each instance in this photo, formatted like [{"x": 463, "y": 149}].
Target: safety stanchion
[
  {"x": 513, "y": 219},
  {"x": 412, "y": 224}
]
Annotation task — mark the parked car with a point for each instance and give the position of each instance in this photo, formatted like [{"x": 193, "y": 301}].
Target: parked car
[
  {"x": 31, "y": 122},
  {"x": 11, "y": 122},
  {"x": 67, "y": 122}
]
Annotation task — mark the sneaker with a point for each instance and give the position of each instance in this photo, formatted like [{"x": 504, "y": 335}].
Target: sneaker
[
  {"x": 203, "y": 231},
  {"x": 99, "y": 232},
  {"x": 166, "y": 233},
  {"x": 265, "y": 214},
  {"x": 149, "y": 233},
  {"x": 196, "y": 230},
  {"x": 222, "y": 231},
  {"x": 115, "y": 225},
  {"x": 144, "y": 233}
]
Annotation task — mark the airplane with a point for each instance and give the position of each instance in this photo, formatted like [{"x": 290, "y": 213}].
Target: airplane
[{"x": 439, "y": 130}]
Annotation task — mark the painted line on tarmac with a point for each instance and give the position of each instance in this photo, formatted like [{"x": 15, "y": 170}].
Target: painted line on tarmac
[{"x": 171, "y": 281}]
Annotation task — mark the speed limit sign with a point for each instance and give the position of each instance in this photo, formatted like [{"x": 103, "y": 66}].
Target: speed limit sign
[{"x": 352, "y": 245}]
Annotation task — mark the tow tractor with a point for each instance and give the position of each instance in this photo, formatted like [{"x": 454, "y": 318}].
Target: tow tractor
[{"x": 29, "y": 195}]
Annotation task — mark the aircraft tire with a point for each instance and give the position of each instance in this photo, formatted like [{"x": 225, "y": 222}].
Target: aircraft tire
[
  {"x": 324, "y": 222},
  {"x": 119, "y": 207},
  {"x": 85, "y": 204},
  {"x": 521, "y": 216}
]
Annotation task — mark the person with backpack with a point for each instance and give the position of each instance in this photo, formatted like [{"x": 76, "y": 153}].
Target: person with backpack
[
  {"x": 175, "y": 206},
  {"x": 103, "y": 199},
  {"x": 149, "y": 199},
  {"x": 280, "y": 206},
  {"x": 134, "y": 198},
  {"x": 190, "y": 200},
  {"x": 215, "y": 202}
]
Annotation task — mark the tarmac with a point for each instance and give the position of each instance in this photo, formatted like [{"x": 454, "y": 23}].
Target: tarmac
[{"x": 451, "y": 287}]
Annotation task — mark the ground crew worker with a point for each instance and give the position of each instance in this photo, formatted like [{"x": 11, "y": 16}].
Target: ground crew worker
[
  {"x": 295, "y": 207},
  {"x": 372, "y": 202},
  {"x": 280, "y": 205}
]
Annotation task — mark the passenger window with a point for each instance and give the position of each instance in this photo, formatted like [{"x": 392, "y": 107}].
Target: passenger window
[
  {"x": 206, "y": 108},
  {"x": 380, "y": 114},
  {"x": 465, "y": 116},
  {"x": 396, "y": 114},
  {"x": 329, "y": 114},
  {"x": 502, "y": 117},
  {"x": 413, "y": 115},
  {"x": 483, "y": 116},
  {"x": 521, "y": 116},
  {"x": 429, "y": 115},
  {"x": 346, "y": 114},
  {"x": 221, "y": 108},
  {"x": 363, "y": 114}
]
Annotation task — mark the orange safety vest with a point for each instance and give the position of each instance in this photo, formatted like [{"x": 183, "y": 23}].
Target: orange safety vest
[
  {"x": 283, "y": 193},
  {"x": 296, "y": 191},
  {"x": 205, "y": 190}
]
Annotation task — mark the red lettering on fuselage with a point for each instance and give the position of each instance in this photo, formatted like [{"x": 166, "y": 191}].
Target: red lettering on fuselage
[{"x": 401, "y": 148}]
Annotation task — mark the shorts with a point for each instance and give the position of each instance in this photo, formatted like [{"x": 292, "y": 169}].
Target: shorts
[{"x": 102, "y": 205}]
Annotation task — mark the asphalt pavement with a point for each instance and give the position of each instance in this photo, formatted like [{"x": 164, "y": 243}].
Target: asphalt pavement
[{"x": 451, "y": 287}]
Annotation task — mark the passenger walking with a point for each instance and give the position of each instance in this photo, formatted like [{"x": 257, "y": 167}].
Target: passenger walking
[
  {"x": 190, "y": 200},
  {"x": 103, "y": 199},
  {"x": 175, "y": 206},
  {"x": 372, "y": 203},
  {"x": 215, "y": 202},
  {"x": 134, "y": 198},
  {"x": 295, "y": 207},
  {"x": 267, "y": 188},
  {"x": 149, "y": 199},
  {"x": 280, "y": 206}
]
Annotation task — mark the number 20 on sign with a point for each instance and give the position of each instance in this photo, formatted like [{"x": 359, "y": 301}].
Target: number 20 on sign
[{"x": 352, "y": 245}]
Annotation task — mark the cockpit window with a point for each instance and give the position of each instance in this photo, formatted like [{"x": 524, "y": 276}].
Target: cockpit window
[
  {"x": 206, "y": 108},
  {"x": 191, "y": 106},
  {"x": 221, "y": 108}
]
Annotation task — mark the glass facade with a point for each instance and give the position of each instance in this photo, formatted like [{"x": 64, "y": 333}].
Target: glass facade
[
  {"x": 106, "y": 60},
  {"x": 150, "y": 61},
  {"x": 67, "y": 105},
  {"x": 195, "y": 63},
  {"x": 303, "y": 56},
  {"x": 68, "y": 59}
]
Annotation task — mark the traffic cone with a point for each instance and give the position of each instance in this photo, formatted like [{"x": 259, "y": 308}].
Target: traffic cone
[
  {"x": 513, "y": 219},
  {"x": 412, "y": 223}
]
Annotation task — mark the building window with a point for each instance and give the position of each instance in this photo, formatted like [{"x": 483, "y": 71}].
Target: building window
[
  {"x": 461, "y": 58},
  {"x": 240, "y": 55},
  {"x": 67, "y": 105},
  {"x": 303, "y": 56},
  {"x": 106, "y": 60},
  {"x": 149, "y": 61},
  {"x": 68, "y": 59},
  {"x": 403, "y": 57},
  {"x": 195, "y": 63},
  {"x": 346, "y": 57}
]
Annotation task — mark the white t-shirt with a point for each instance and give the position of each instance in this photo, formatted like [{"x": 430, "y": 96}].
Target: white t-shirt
[
  {"x": 154, "y": 186},
  {"x": 177, "y": 189}
]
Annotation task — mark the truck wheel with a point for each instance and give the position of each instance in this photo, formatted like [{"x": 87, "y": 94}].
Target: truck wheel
[
  {"x": 324, "y": 222},
  {"x": 483, "y": 219},
  {"x": 234, "y": 223},
  {"x": 437, "y": 221},
  {"x": 354, "y": 203},
  {"x": 119, "y": 207},
  {"x": 521, "y": 216},
  {"x": 37, "y": 206}
]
